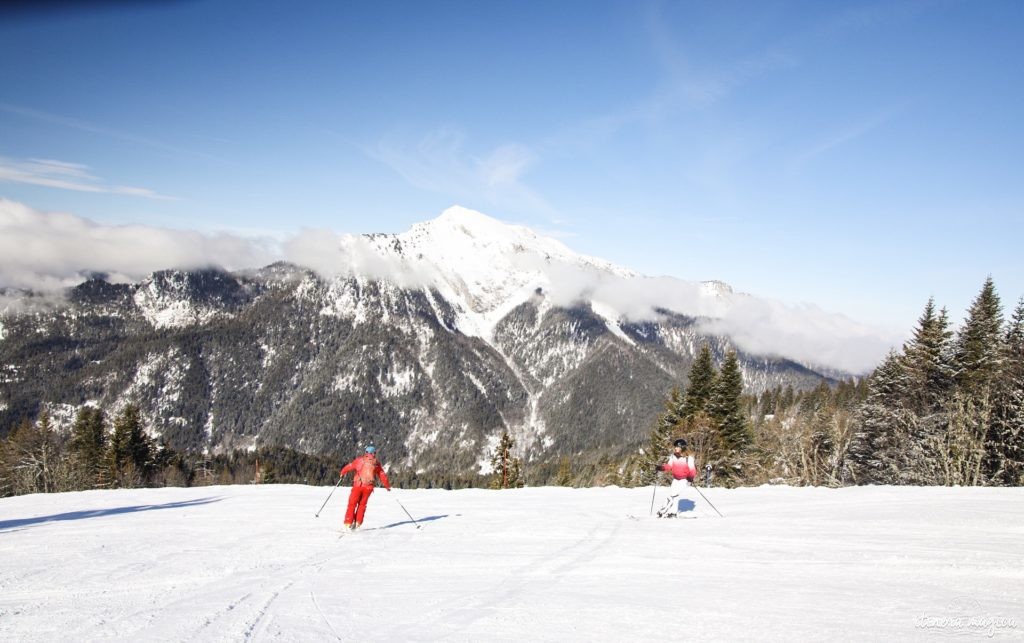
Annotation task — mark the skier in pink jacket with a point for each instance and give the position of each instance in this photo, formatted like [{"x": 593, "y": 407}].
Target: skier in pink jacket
[{"x": 683, "y": 469}]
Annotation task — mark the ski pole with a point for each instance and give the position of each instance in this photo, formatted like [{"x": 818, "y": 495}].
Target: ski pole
[
  {"x": 707, "y": 501},
  {"x": 408, "y": 514},
  {"x": 317, "y": 514},
  {"x": 654, "y": 492}
]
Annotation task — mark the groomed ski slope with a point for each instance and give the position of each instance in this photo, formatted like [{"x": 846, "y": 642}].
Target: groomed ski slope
[{"x": 251, "y": 562}]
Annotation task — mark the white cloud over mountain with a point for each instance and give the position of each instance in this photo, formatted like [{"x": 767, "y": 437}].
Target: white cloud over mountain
[
  {"x": 485, "y": 265},
  {"x": 49, "y": 250}
]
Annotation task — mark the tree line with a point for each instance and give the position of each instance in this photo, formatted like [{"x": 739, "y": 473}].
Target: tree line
[
  {"x": 97, "y": 454},
  {"x": 945, "y": 409}
]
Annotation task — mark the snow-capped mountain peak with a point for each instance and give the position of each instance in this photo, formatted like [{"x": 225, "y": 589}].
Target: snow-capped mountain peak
[
  {"x": 484, "y": 266},
  {"x": 479, "y": 242}
]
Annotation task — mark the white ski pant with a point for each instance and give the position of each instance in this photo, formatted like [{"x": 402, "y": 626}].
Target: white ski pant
[{"x": 679, "y": 490}]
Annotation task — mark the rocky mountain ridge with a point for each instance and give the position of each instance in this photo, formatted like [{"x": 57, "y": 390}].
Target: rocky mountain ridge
[{"x": 430, "y": 343}]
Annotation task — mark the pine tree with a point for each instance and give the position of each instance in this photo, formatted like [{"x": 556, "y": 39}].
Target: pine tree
[
  {"x": 1015, "y": 338},
  {"x": 726, "y": 407},
  {"x": 925, "y": 391},
  {"x": 882, "y": 428},
  {"x": 928, "y": 361},
  {"x": 701, "y": 384},
  {"x": 979, "y": 350},
  {"x": 768, "y": 402},
  {"x": 88, "y": 444},
  {"x": 1004, "y": 443},
  {"x": 965, "y": 454},
  {"x": 129, "y": 452},
  {"x": 506, "y": 469},
  {"x": 673, "y": 415},
  {"x": 786, "y": 398}
]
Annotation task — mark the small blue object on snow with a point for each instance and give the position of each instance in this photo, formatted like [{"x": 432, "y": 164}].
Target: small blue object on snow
[{"x": 370, "y": 448}]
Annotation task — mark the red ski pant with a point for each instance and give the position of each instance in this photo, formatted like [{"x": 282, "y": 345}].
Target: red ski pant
[{"x": 357, "y": 500}]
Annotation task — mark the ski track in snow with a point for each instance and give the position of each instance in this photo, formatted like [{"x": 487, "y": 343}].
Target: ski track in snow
[{"x": 252, "y": 563}]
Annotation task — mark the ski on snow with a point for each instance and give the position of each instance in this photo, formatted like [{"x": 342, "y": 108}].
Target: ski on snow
[{"x": 645, "y": 518}]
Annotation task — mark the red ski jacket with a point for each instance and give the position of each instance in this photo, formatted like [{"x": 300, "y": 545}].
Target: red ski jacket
[
  {"x": 366, "y": 468},
  {"x": 680, "y": 467}
]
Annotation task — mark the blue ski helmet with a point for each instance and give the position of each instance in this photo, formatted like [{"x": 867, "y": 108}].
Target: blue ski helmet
[{"x": 371, "y": 449}]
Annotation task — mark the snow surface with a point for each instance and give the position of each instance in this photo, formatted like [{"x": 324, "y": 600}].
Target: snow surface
[{"x": 252, "y": 562}]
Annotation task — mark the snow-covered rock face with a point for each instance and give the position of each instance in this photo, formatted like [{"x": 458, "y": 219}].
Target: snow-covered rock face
[
  {"x": 484, "y": 267},
  {"x": 490, "y": 262},
  {"x": 176, "y": 298},
  {"x": 434, "y": 341},
  {"x": 475, "y": 270}
]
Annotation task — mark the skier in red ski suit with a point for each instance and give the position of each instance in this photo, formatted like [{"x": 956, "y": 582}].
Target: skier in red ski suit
[{"x": 366, "y": 468}]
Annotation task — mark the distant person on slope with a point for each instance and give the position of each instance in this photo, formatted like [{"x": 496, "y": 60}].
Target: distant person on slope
[
  {"x": 681, "y": 465},
  {"x": 366, "y": 468}
]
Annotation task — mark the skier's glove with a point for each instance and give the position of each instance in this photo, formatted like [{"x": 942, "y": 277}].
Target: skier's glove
[{"x": 657, "y": 468}]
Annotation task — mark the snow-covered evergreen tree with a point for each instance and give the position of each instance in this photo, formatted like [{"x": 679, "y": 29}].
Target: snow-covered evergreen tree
[
  {"x": 88, "y": 444},
  {"x": 882, "y": 428},
  {"x": 721, "y": 433},
  {"x": 506, "y": 468},
  {"x": 130, "y": 449},
  {"x": 979, "y": 349},
  {"x": 726, "y": 407},
  {"x": 1004, "y": 443},
  {"x": 965, "y": 454},
  {"x": 701, "y": 384},
  {"x": 924, "y": 393},
  {"x": 928, "y": 361}
]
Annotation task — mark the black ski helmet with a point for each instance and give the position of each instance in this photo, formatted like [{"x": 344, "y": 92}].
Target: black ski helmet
[{"x": 681, "y": 443}]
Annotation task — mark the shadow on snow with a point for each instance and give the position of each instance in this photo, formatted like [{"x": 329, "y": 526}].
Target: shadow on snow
[
  {"x": 406, "y": 522},
  {"x": 99, "y": 513}
]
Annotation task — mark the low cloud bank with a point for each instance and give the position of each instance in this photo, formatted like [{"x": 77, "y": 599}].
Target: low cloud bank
[
  {"x": 804, "y": 333},
  {"x": 46, "y": 252}
]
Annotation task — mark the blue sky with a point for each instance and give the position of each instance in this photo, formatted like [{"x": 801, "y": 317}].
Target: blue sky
[{"x": 857, "y": 156}]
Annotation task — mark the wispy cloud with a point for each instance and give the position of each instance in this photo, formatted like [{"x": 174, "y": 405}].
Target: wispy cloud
[
  {"x": 687, "y": 83},
  {"x": 85, "y": 126},
  {"x": 66, "y": 176},
  {"x": 439, "y": 162},
  {"x": 842, "y": 136},
  {"x": 683, "y": 86},
  {"x": 870, "y": 16}
]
